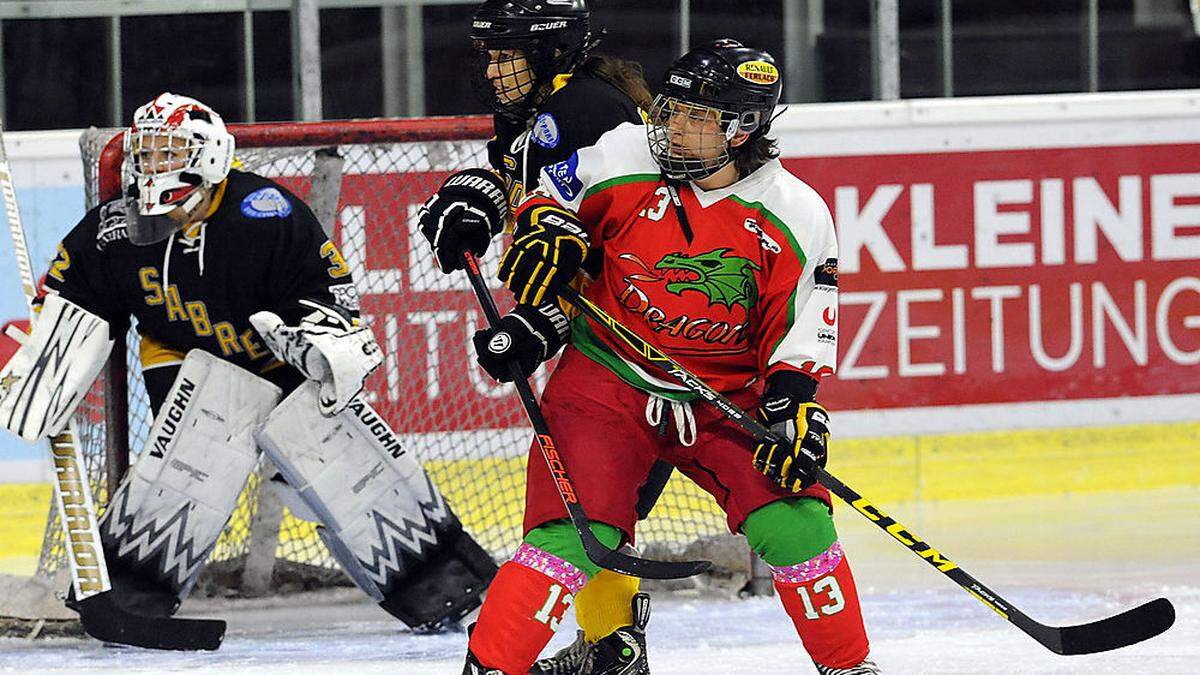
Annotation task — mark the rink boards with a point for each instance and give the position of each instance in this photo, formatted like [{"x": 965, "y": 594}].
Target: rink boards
[
  {"x": 889, "y": 471},
  {"x": 1018, "y": 275}
]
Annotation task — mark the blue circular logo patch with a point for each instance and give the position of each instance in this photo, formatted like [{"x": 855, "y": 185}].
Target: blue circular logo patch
[
  {"x": 545, "y": 131},
  {"x": 266, "y": 203}
]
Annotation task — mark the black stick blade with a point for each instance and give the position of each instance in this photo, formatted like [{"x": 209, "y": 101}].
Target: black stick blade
[
  {"x": 633, "y": 566},
  {"x": 104, "y": 620},
  {"x": 1129, "y": 627}
]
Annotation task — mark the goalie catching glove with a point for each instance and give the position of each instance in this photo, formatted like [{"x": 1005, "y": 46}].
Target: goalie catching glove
[
  {"x": 527, "y": 336},
  {"x": 339, "y": 357},
  {"x": 463, "y": 215},
  {"x": 549, "y": 246},
  {"x": 789, "y": 410}
]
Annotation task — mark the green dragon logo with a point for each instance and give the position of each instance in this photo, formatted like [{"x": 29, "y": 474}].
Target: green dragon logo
[{"x": 725, "y": 280}]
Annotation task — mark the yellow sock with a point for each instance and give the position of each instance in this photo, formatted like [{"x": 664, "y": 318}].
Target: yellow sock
[{"x": 604, "y": 604}]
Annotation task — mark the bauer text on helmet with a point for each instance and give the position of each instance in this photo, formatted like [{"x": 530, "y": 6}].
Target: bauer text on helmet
[{"x": 523, "y": 45}]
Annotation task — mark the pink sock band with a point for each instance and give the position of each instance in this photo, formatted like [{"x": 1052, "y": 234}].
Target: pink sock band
[
  {"x": 571, "y": 577},
  {"x": 808, "y": 570}
]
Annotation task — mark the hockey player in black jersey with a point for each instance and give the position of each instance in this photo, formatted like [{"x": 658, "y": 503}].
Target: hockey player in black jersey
[
  {"x": 240, "y": 300},
  {"x": 550, "y": 95}
]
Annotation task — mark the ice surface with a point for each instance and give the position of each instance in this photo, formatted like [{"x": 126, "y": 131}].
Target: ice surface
[{"x": 1063, "y": 560}]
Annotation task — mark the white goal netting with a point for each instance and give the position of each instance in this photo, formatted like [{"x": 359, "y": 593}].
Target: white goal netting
[{"x": 365, "y": 180}]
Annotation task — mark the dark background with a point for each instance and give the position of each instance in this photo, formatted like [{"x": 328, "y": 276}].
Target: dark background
[{"x": 56, "y": 71}]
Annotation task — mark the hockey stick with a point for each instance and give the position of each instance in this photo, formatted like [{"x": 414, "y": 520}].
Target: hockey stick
[
  {"x": 596, "y": 551},
  {"x": 1131, "y": 626},
  {"x": 101, "y": 616}
]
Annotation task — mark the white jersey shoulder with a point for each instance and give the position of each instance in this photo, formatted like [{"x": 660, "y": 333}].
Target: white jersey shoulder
[
  {"x": 792, "y": 204},
  {"x": 621, "y": 152}
]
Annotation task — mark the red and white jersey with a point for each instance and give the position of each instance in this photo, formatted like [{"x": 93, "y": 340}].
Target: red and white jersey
[{"x": 753, "y": 289}]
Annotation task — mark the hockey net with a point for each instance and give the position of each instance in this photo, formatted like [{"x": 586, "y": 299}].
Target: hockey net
[{"x": 365, "y": 181}]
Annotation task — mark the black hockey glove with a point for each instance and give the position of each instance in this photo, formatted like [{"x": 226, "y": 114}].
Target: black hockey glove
[
  {"x": 549, "y": 246},
  {"x": 463, "y": 215},
  {"x": 527, "y": 336},
  {"x": 789, "y": 410}
]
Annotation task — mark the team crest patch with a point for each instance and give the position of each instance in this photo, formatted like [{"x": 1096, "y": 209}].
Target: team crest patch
[
  {"x": 562, "y": 176},
  {"x": 725, "y": 280},
  {"x": 545, "y": 131},
  {"x": 266, "y": 202}
]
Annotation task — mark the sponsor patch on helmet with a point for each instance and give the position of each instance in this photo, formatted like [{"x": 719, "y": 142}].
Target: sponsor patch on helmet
[
  {"x": 562, "y": 176},
  {"x": 545, "y": 131},
  {"x": 758, "y": 72},
  {"x": 266, "y": 203}
]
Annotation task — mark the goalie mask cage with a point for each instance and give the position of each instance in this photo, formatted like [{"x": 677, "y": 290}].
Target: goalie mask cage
[{"x": 365, "y": 181}]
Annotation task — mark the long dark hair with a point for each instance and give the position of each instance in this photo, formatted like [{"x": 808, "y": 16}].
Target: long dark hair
[
  {"x": 624, "y": 75},
  {"x": 755, "y": 152}
]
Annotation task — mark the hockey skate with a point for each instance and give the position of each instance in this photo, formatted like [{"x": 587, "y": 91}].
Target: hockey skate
[
  {"x": 570, "y": 660},
  {"x": 622, "y": 652},
  {"x": 866, "y": 667},
  {"x": 473, "y": 667}
]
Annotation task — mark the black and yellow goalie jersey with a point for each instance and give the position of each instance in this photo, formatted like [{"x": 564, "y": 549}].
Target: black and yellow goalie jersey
[{"x": 259, "y": 248}]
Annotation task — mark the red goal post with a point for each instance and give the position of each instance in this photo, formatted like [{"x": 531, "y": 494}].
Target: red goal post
[{"x": 365, "y": 179}]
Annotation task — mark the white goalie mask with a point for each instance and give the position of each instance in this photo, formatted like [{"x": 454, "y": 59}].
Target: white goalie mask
[{"x": 175, "y": 148}]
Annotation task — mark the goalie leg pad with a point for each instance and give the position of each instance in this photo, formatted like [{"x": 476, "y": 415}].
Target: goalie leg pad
[
  {"x": 43, "y": 383},
  {"x": 383, "y": 518},
  {"x": 165, "y": 517}
]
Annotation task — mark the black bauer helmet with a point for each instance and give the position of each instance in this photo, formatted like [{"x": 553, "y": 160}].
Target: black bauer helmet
[
  {"x": 552, "y": 36},
  {"x": 723, "y": 87}
]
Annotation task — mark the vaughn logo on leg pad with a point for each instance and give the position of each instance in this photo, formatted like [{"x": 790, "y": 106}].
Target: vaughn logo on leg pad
[{"x": 170, "y": 427}]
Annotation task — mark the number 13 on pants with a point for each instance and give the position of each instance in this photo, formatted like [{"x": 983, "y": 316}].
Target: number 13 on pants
[
  {"x": 832, "y": 591},
  {"x": 556, "y": 605}
]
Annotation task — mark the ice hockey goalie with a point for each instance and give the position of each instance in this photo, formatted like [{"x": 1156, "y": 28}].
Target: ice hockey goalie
[{"x": 241, "y": 301}]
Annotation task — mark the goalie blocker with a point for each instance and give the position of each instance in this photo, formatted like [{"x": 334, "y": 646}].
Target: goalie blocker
[
  {"x": 382, "y": 517},
  {"x": 43, "y": 383}
]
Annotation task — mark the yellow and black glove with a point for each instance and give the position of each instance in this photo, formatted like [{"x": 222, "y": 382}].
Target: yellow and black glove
[
  {"x": 789, "y": 410},
  {"x": 549, "y": 246}
]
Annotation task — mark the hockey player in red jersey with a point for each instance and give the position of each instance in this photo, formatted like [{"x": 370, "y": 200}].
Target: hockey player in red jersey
[{"x": 705, "y": 245}]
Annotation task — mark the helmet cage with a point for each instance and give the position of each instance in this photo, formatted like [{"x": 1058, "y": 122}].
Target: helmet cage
[
  {"x": 691, "y": 140},
  {"x": 548, "y": 43},
  {"x": 518, "y": 75},
  {"x": 175, "y": 145}
]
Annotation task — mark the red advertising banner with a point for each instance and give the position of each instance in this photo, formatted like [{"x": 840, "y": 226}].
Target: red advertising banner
[
  {"x": 966, "y": 277},
  {"x": 1037, "y": 275}
]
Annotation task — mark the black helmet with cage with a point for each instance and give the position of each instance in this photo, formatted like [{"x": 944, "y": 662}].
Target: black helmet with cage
[
  {"x": 536, "y": 39},
  {"x": 728, "y": 87}
]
